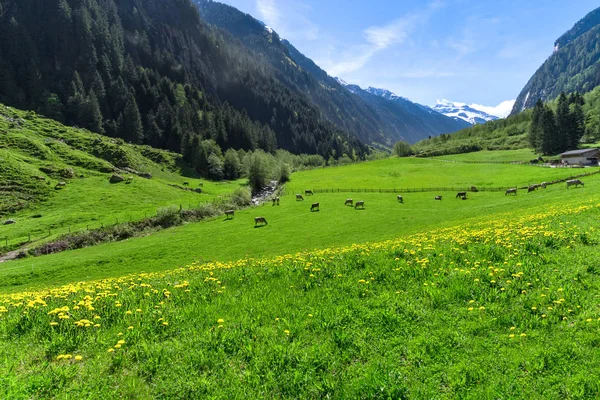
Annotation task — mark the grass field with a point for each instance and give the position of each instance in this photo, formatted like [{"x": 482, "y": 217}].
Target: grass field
[
  {"x": 505, "y": 308},
  {"x": 417, "y": 173},
  {"x": 292, "y": 227}
]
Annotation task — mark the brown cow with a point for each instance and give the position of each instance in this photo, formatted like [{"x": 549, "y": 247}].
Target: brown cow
[
  {"x": 308, "y": 193},
  {"x": 359, "y": 204},
  {"x": 299, "y": 197},
  {"x": 511, "y": 191},
  {"x": 461, "y": 195},
  {"x": 315, "y": 207}
]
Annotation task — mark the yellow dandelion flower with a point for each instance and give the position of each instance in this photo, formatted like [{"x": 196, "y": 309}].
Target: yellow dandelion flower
[
  {"x": 78, "y": 358},
  {"x": 111, "y": 350},
  {"x": 220, "y": 321}
]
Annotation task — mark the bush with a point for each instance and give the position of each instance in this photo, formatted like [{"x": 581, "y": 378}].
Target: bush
[
  {"x": 402, "y": 149},
  {"x": 284, "y": 173},
  {"x": 258, "y": 171},
  {"x": 168, "y": 217},
  {"x": 241, "y": 197}
]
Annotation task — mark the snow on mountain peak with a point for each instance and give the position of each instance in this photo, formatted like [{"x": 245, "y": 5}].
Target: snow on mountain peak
[
  {"x": 341, "y": 81},
  {"x": 474, "y": 113},
  {"x": 386, "y": 94}
]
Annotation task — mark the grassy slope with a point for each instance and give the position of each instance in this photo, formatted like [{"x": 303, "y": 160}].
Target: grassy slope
[
  {"x": 33, "y": 142},
  {"x": 503, "y": 309},
  {"x": 293, "y": 228}
]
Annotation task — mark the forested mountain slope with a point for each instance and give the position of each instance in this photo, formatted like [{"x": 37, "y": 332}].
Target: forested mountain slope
[
  {"x": 574, "y": 66},
  {"x": 365, "y": 119},
  {"x": 153, "y": 72},
  {"x": 407, "y": 121}
]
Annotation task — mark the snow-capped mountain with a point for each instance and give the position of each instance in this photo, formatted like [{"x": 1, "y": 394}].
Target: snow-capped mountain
[
  {"x": 386, "y": 94},
  {"x": 407, "y": 120},
  {"x": 474, "y": 113}
]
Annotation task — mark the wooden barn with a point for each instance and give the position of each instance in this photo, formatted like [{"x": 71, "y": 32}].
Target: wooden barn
[{"x": 585, "y": 157}]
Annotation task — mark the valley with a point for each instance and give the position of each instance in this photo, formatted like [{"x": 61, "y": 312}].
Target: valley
[{"x": 192, "y": 207}]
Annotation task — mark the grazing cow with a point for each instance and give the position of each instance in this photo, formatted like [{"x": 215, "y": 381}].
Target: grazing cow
[
  {"x": 349, "y": 202},
  {"x": 315, "y": 207},
  {"x": 532, "y": 188},
  {"x": 574, "y": 182},
  {"x": 461, "y": 195},
  {"x": 511, "y": 191},
  {"x": 438, "y": 197},
  {"x": 474, "y": 189},
  {"x": 260, "y": 221},
  {"x": 544, "y": 184},
  {"x": 359, "y": 204},
  {"x": 299, "y": 197},
  {"x": 400, "y": 199},
  {"x": 186, "y": 184},
  {"x": 229, "y": 214},
  {"x": 308, "y": 193}
]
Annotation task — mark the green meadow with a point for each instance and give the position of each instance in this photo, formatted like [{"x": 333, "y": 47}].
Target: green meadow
[
  {"x": 292, "y": 227},
  {"x": 426, "y": 173}
]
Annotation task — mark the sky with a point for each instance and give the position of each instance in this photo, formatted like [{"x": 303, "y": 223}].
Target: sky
[{"x": 479, "y": 52}]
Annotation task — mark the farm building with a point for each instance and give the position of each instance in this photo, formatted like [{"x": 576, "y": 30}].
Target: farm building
[{"x": 581, "y": 157}]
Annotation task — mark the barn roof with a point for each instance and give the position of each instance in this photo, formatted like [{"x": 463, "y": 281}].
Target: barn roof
[{"x": 578, "y": 152}]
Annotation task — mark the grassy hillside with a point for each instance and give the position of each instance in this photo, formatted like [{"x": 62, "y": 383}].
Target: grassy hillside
[
  {"x": 504, "y": 308},
  {"x": 292, "y": 227},
  {"x": 37, "y": 153}
]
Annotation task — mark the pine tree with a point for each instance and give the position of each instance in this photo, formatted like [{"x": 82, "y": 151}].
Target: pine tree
[
  {"x": 550, "y": 139},
  {"x": 536, "y": 131},
  {"x": 92, "y": 116},
  {"x": 577, "y": 117},
  {"x": 131, "y": 123},
  {"x": 564, "y": 126}
]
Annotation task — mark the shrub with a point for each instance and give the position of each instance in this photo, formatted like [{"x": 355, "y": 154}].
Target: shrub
[
  {"x": 168, "y": 217},
  {"x": 284, "y": 173},
  {"x": 241, "y": 197}
]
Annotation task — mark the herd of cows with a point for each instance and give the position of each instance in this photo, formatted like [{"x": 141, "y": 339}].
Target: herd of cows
[{"x": 261, "y": 221}]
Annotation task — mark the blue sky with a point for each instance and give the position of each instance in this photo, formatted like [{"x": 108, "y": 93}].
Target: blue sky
[{"x": 471, "y": 51}]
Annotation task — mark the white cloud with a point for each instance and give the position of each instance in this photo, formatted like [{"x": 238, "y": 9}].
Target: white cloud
[
  {"x": 463, "y": 47},
  {"x": 379, "y": 38},
  {"x": 268, "y": 11},
  {"x": 501, "y": 110},
  {"x": 288, "y": 18}
]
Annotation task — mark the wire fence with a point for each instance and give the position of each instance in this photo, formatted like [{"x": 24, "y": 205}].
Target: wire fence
[
  {"x": 293, "y": 191},
  {"x": 544, "y": 164}
]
